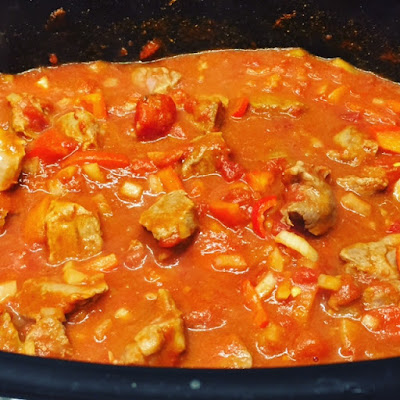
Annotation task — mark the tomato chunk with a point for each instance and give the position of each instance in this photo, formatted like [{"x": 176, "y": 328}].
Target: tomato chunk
[
  {"x": 150, "y": 49},
  {"x": 241, "y": 107},
  {"x": 155, "y": 115},
  {"x": 52, "y": 146}
]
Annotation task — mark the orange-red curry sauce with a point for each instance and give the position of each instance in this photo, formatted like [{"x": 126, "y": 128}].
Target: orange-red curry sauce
[{"x": 256, "y": 259}]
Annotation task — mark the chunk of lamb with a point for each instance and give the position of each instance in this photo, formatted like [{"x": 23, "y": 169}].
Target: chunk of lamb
[
  {"x": 72, "y": 232},
  {"x": 9, "y": 339},
  {"x": 374, "y": 181},
  {"x": 204, "y": 153},
  {"x": 165, "y": 334},
  {"x": 82, "y": 126},
  {"x": 12, "y": 151},
  {"x": 208, "y": 113},
  {"x": 172, "y": 219},
  {"x": 356, "y": 148},
  {"x": 47, "y": 337},
  {"x": 155, "y": 79},
  {"x": 375, "y": 259},
  {"x": 28, "y": 114},
  {"x": 54, "y": 293},
  {"x": 313, "y": 203}
]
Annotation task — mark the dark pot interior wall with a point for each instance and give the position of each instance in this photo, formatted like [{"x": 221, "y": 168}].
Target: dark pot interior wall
[{"x": 365, "y": 33}]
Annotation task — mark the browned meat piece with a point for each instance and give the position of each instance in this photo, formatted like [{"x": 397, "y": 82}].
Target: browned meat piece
[
  {"x": 9, "y": 339},
  {"x": 164, "y": 334},
  {"x": 171, "y": 219},
  {"x": 380, "y": 294},
  {"x": 204, "y": 153},
  {"x": 155, "y": 79},
  {"x": 28, "y": 114},
  {"x": 231, "y": 353},
  {"x": 47, "y": 337},
  {"x": 377, "y": 259},
  {"x": 355, "y": 147},
  {"x": 268, "y": 103},
  {"x": 56, "y": 294},
  {"x": 72, "y": 232},
  {"x": 12, "y": 151},
  {"x": 374, "y": 181},
  {"x": 208, "y": 114},
  {"x": 131, "y": 356},
  {"x": 81, "y": 126},
  {"x": 313, "y": 203}
]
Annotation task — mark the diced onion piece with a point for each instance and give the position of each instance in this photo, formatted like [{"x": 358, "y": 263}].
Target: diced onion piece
[
  {"x": 336, "y": 94},
  {"x": 122, "y": 313},
  {"x": 396, "y": 191},
  {"x": 378, "y": 102},
  {"x": 230, "y": 263},
  {"x": 338, "y": 62},
  {"x": 7, "y": 289},
  {"x": 111, "y": 82},
  {"x": 73, "y": 276},
  {"x": 266, "y": 285},
  {"x": 353, "y": 203},
  {"x": 131, "y": 190},
  {"x": 370, "y": 322},
  {"x": 329, "y": 282},
  {"x": 155, "y": 184},
  {"x": 272, "y": 333},
  {"x": 94, "y": 172},
  {"x": 102, "y": 205},
  {"x": 43, "y": 82},
  {"x": 284, "y": 291},
  {"x": 275, "y": 260},
  {"x": 295, "y": 291},
  {"x": 297, "y": 243}
]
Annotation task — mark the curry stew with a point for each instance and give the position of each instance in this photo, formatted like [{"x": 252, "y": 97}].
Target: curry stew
[{"x": 229, "y": 209}]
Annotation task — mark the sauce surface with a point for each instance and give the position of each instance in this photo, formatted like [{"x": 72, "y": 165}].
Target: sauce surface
[{"x": 229, "y": 209}]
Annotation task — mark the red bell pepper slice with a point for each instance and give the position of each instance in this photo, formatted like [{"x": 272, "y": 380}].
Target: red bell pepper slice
[
  {"x": 241, "y": 107},
  {"x": 52, "y": 146},
  {"x": 258, "y": 214},
  {"x": 253, "y": 301},
  {"x": 105, "y": 159}
]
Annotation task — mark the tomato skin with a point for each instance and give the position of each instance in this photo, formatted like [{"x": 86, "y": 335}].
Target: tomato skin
[
  {"x": 253, "y": 302},
  {"x": 241, "y": 107},
  {"x": 230, "y": 214},
  {"x": 304, "y": 276},
  {"x": 258, "y": 215},
  {"x": 309, "y": 346},
  {"x": 155, "y": 115},
  {"x": 37, "y": 120},
  {"x": 230, "y": 170},
  {"x": 347, "y": 293}
]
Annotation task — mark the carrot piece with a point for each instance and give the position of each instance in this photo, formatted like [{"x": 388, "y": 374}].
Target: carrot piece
[
  {"x": 104, "y": 159},
  {"x": 241, "y": 107},
  {"x": 389, "y": 140},
  {"x": 230, "y": 214},
  {"x": 95, "y": 104},
  {"x": 253, "y": 302},
  {"x": 163, "y": 159},
  {"x": 170, "y": 179},
  {"x": 52, "y": 146},
  {"x": 34, "y": 229}
]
